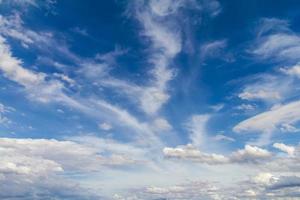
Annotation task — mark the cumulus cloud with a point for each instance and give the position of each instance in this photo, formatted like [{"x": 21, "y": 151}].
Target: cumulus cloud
[
  {"x": 189, "y": 152},
  {"x": 30, "y": 167},
  {"x": 64, "y": 155},
  {"x": 250, "y": 154}
]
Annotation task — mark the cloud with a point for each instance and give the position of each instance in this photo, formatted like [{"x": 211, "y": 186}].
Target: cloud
[
  {"x": 105, "y": 126},
  {"x": 260, "y": 94},
  {"x": 250, "y": 154},
  {"x": 160, "y": 31},
  {"x": 161, "y": 124},
  {"x": 264, "y": 178},
  {"x": 189, "y": 190},
  {"x": 35, "y": 83},
  {"x": 267, "y": 88},
  {"x": 272, "y": 119},
  {"x": 287, "y": 128},
  {"x": 212, "y": 49},
  {"x": 285, "y": 182},
  {"x": 196, "y": 126},
  {"x": 12, "y": 26},
  {"x": 41, "y": 168},
  {"x": 290, "y": 150},
  {"x": 158, "y": 21},
  {"x": 245, "y": 107},
  {"x": 46, "y": 89},
  {"x": 276, "y": 40},
  {"x": 221, "y": 137},
  {"x": 292, "y": 71},
  {"x": 191, "y": 153},
  {"x": 3, "y": 111},
  {"x": 79, "y": 156}
]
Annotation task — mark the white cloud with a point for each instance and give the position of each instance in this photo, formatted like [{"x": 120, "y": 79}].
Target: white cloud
[
  {"x": 250, "y": 154},
  {"x": 161, "y": 124},
  {"x": 286, "y": 182},
  {"x": 264, "y": 178},
  {"x": 159, "y": 21},
  {"x": 212, "y": 49},
  {"x": 155, "y": 18},
  {"x": 192, "y": 190},
  {"x": 292, "y": 71},
  {"x": 268, "y": 88},
  {"x": 272, "y": 119},
  {"x": 35, "y": 83},
  {"x": 105, "y": 126},
  {"x": 221, "y": 137},
  {"x": 245, "y": 107},
  {"x": 189, "y": 152},
  {"x": 260, "y": 94},
  {"x": 276, "y": 40},
  {"x": 290, "y": 150},
  {"x": 197, "y": 129},
  {"x": 41, "y": 87},
  {"x": 3, "y": 111},
  {"x": 37, "y": 168},
  {"x": 280, "y": 46},
  {"x": 288, "y": 128},
  {"x": 12, "y": 26},
  {"x": 79, "y": 156}
]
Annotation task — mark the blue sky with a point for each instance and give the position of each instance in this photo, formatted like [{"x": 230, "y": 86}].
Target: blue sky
[{"x": 158, "y": 99}]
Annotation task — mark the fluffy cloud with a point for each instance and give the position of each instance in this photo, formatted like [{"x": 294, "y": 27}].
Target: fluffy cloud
[
  {"x": 189, "y": 152},
  {"x": 262, "y": 186},
  {"x": 64, "y": 155},
  {"x": 31, "y": 167},
  {"x": 250, "y": 154}
]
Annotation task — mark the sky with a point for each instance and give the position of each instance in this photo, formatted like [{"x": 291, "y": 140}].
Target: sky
[{"x": 149, "y": 100}]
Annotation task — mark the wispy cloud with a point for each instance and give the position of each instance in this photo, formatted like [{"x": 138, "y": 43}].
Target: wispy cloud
[{"x": 276, "y": 40}]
